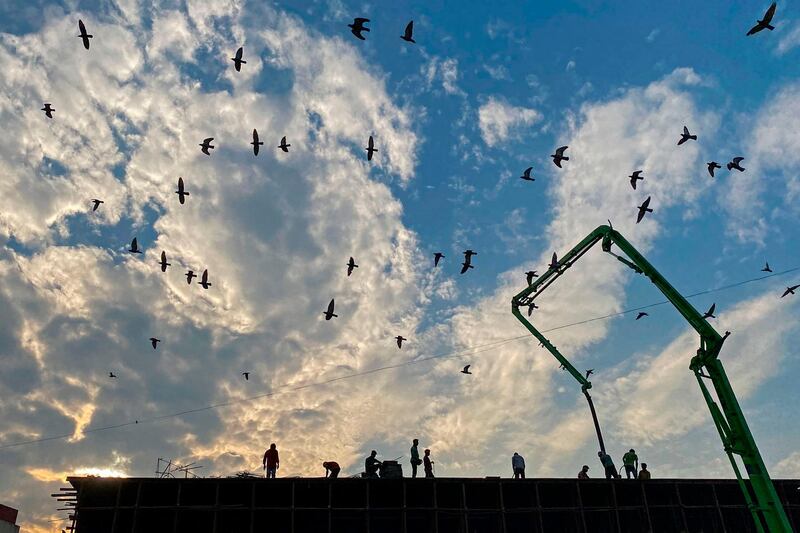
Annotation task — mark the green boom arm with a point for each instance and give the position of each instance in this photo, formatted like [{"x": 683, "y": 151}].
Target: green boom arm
[{"x": 728, "y": 418}]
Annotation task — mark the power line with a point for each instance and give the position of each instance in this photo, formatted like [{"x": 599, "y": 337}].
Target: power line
[{"x": 284, "y": 389}]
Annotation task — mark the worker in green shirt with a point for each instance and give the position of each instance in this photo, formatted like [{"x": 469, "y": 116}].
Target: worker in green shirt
[{"x": 631, "y": 462}]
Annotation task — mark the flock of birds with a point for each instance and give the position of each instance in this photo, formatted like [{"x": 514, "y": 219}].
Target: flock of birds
[{"x": 357, "y": 28}]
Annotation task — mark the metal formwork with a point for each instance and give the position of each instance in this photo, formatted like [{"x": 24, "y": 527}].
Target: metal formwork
[{"x": 444, "y": 505}]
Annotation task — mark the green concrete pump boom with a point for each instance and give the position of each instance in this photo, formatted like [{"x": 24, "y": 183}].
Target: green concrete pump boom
[{"x": 763, "y": 501}]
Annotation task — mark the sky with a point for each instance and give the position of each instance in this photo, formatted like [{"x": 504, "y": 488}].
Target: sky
[{"x": 486, "y": 92}]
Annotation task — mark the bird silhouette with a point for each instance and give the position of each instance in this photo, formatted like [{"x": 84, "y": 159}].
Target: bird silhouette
[
  {"x": 436, "y": 258},
  {"x": 526, "y": 175},
  {"x": 96, "y": 203},
  {"x": 181, "y": 192},
  {"x": 710, "y": 312},
  {"x": 465, "y": 370},
  {"x": 589, "y": 373},
  {"x": 350, "y": 266},
  {"x": 204, "y": 280},
  {"x": 531, "y": 307},
  {"x": 112, "y": 375},
  {"x": 237, "y": 60},
  {"x": 685, "y": 136},
  {"x": 134, "y": 249},
  {"x": 189, "y": 276},
  {"x": 558, "y": 157},
  {"x": 329, "y": 313},
  {"x": 766, "y": 268},
  {"x": 206, "y": 145},
  {"x": 84, "y": 36},
  {"x": 154, "y": 342},
  {"x": 358, "y": 26},
  {"x": 370, "y": 148},
  {"x": 641, "y": 314},
  {"x": 764, "y": 23},
  {"x": 283, "y": 146},
  {"x": 466, "y": 265},
  {"x": 468, "y": 254},
  {"x": 554, "y": 262},
  {"x": 634, "y": 177},
  {"x": 529, "y": 275},
  {"x": 163, "y": 261},
  {"x": 790, "y": 290},
  {"x": 400, "y": 340},
  {"x": 408, "y": 34},
  {"x": 49, "y": 110},
  {"x": 256, "y": 143},
  {"x": 246, "y": 376},
  {"x": 711, "y": 166},
  {"x": 735, "y": 164},
  {"x": 644, "y": 208}
]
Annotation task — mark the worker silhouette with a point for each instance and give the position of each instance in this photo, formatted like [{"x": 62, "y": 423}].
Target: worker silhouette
[
  {"x": 332, "y": 469},
  {"x": 271, "y": 461},
  {"x": 415, "y": 460},
  {"x": 518, "y": 466},
  {"x": 644, "y": 473},
  {"x": 631, "y": 462},
  {"x": 584, "y": 473},
  {"x": 608, "y": 465},
  {"x": 428, "y": 464},
  {"x": 371, "y": 464}
]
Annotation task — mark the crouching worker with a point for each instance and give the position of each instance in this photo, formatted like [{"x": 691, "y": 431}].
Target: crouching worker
[{"x": 331, "y": 469}]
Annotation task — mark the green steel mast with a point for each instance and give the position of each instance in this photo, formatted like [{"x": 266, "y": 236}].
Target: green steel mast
[{"x": 763, "y": 502}]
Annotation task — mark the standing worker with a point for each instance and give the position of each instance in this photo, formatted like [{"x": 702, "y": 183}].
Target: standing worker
[
  {"x": 518, "y": 465},
  {"x": 608, "y": 465},
  {"x": 644, "y": 473},
  {"x": 584, "y": 473},
  {"x": 271, "y": 461},
  {"x": 332, "y": 469},
  {"x": 631, "y": 462},
  {"x": 415, "y": 461},
  {"x": 371, "y": 464},
  {"x": 428, "y": 463}
]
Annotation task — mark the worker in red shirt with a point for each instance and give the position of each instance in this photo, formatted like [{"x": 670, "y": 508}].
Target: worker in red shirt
[
  {"x": 271, "y": 461},
  {"x": 331, "y": 469}
]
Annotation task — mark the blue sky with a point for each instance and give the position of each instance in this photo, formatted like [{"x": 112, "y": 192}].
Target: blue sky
[{"x": 485, "y": 93}]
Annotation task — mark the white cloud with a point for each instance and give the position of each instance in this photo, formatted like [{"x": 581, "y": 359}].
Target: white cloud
[
  {"x": 445, "y": 71},
  {"x": 498, "y": 120},
  {"x": 497, "y": 72},
  {"x": 790, "y": 39},
  {"x": 652, "y": 35},
  {"x": 788, "y": 467},
  {"x": 570, "y": 65}
]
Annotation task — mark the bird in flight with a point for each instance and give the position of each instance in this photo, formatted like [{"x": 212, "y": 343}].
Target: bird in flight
[
  {"x": 400, "y": 340},
  {"x": 189, "y": 276},
  {"x": 558, "y": 157},
  {"x": 710, "y": 312},
  {"x": 408, "y": 34},
  {"x": 370, "y": 148},
  {"x": 711, "y": 166},
  {"x": 735, "y": 164},
  {"x": 112, "y": 375},
  {"x": 163, "y": 261},
  {"x": 96, "y": 204},
  {"x": 529, "y": 275},
  {"x": 350, "y": 266},
  {"x": 634, "y": 177},
  {"x": 527, "y": 175},
  {"x": 641, "y": 314},
  {"x": 467, "y": 264},
  {"x": 49, "y": 110},
  {"x": 206, "y": 145},
  {"x": 554, "y": 261},
  {"x": 644, "y": 208},
  {"x": 329, "y": 313},
  {"x": 154, "y": 342},
  {"x": 182, "y": 194},
  {"x": 465, "y": 370},
  {"x": 256, "y": 143},
  {"x": 436, "y": 258},
  {"x": 766, "y": 268},
  {"x": 531, "y": 307},
  {"x": 790, "y": 290},
  {"x": 237, "y": 60},
  {"x": 358, "y": 26},
  {"x": 685, "y": 136},
  {"x": 589, "y": 373},
  {"x": 134, "y": 249},
  {"x": 468, "y": 254},
  {"x": 84, "y": 36},
  {"x": 764, "y": 23},
  {"x": 246, "y": 376},
  {"x": 283, "y": 146},
  {"x": 204, "y": 280}
]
